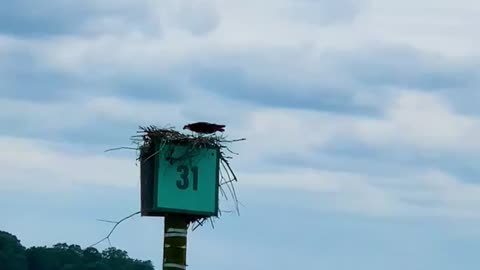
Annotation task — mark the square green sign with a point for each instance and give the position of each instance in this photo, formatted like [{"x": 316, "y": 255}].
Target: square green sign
[{"x": 187, "y": 180}]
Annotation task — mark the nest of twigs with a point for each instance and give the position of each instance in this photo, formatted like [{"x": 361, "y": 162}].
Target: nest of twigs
[{"x": 147, "y": 137}]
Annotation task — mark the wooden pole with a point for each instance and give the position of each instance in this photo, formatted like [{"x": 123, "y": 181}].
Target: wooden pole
[{"x": 175, "y": 242}]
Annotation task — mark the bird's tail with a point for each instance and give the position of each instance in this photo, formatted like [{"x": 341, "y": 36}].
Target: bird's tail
[{"x": 221, "y": 128}]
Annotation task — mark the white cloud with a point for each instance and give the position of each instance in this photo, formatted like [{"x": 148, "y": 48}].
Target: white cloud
[
  {"x": 324, "y": 12},
  {"x": 198, "y": 17},
  {"x": 328, "y": 190},
  {"x": 243, "y": 26},
  {"x": 290, "y": 132},
  {"x": 80, "y": 112},
  {"x": 411, "y": 120},
  {"x": 443, "y": 27},
  {"x": 35, "y": 165},
  {"x": 429, "y": 193},
  {"x": 273, "y": 47},
  {"x": 424, "y": 121}
]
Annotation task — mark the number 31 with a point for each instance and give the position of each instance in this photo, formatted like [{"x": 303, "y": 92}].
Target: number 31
[{"x": 183, "y": 184}]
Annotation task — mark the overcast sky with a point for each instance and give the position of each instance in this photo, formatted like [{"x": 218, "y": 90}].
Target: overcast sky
[{"x": 361, "y": 118}]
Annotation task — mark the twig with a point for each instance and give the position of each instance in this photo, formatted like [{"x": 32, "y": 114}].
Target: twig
[
  {"x": 211, "y": 222},
  {"x": 225, "y": 169},
  {"x": 114, "y": 227},
  {"x": 229, "y": 168},
  {"x": 107, "y": 221},
  {"x": 152, "y": 155},
  {"x": 222, "y": 191},
  {"x": 120, "y": 148},
  {"x": 230, "y": 141},
  {"x": 228, "y": 149}
]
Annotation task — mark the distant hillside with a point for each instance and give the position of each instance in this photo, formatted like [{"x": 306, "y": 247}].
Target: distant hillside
[{"x": 14, "y": 256}]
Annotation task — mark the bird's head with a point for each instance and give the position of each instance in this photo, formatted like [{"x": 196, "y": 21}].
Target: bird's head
[{"x": 185, "y": 127}]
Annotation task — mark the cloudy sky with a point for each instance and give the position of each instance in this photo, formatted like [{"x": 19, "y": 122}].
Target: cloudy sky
[{"x": 361, "y": 118}]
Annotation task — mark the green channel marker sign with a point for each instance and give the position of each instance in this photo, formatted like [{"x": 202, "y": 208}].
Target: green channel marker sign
[{"x": 186, "y": 180}]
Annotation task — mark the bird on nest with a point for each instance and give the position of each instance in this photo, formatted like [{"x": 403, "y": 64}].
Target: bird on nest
[{"x": 204, "y": 127}]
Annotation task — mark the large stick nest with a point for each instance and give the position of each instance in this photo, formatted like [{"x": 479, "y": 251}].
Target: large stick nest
[{"x": 147, "y": 136}]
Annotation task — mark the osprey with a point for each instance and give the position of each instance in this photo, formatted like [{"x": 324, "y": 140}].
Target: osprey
[{"x": 204, "y": 127}]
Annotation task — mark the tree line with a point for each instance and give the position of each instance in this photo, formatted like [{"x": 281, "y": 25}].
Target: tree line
[{"x": 14, "y": 256}]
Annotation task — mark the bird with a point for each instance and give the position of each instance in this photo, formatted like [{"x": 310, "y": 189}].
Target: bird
[{"x": 204, "y": 127}]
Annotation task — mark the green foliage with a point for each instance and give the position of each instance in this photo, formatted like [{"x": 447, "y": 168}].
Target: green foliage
[
  {"x": 14, "y": 256},
  {"x": 12, "y": 253}
]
